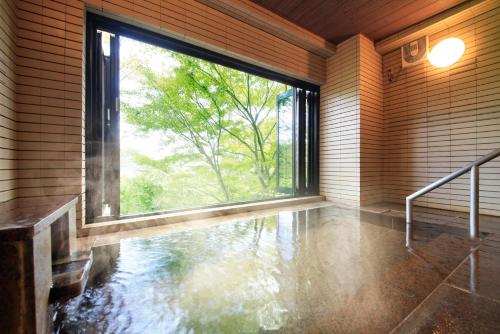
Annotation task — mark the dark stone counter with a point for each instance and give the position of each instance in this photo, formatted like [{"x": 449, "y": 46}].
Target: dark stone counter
[
  {"x": 24, "y": 223},
  {"x": 31, "y": 238}
]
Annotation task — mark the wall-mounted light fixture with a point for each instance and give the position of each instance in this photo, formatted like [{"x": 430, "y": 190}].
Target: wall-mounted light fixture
[{"x": 447, "y": 52}]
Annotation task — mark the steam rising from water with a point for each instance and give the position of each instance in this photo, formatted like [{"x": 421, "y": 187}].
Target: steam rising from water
[
  {"x": 223, "y": 279},
  {"x": 294, "y": 272}
]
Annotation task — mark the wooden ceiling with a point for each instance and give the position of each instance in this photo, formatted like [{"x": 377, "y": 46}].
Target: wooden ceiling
[{"x": 337, "y": 20}]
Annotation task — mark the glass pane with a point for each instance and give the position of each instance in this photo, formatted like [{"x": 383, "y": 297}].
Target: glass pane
[
  {"x": 284, "y": 150},
  {"x": 106, "y": 180},
  {"x": 194, "y": 133}
]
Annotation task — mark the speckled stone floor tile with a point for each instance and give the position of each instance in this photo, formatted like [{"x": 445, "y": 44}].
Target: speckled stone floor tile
[
  {"x": 480, "y": 274},
  {"x": 451, "y": 310}
]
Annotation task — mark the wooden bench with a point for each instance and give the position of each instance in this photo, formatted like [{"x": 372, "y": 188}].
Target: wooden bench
[{"x": 31, "y": 238}]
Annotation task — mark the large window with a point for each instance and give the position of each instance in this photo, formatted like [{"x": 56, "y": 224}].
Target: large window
[{"x": 172, "y": 126}]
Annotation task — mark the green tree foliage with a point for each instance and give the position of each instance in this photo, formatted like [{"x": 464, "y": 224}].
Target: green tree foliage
[
  {"x": 221, "y": 121},
  {"x": 141, "y": 194}
]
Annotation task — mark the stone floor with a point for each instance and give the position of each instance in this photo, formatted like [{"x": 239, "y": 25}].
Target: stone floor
[
  {"x": 437, "y": 216},
  {"x": 468, "y": 301},
  {"x": 365, "y": 281}
]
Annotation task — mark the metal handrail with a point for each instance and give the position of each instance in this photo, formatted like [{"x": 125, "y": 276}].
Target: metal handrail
[{"x": 473, "y": 167}]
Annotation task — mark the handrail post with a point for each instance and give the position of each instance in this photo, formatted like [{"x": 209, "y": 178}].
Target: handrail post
[
  {"x": 474, "y": 203},
  {"x": 409, "y": 223},
  {"x": 473, "y": 168}
]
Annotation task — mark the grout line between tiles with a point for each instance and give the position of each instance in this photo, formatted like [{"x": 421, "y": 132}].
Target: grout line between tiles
[
  {"x": 470, "y": 293},
  {"x": 431, "y": 293}
]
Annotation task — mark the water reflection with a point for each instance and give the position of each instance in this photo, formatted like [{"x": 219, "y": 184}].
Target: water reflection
[{"x": 301, "y": 271}]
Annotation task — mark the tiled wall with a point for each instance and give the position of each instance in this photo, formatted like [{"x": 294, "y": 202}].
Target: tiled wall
[
  {"x": 195, "y": 22},
  {"x": 49, "y": 100},
  {"x": 50, "y": 84},
  {"x": 351, "y": 122},
  {"x": 437, "y": 120},
  {"x": 371, "y": 123},
  {"x": 7, "y": 102},
  {"x": 382, "y": 140},
  {"x": 340, "y": 125}
]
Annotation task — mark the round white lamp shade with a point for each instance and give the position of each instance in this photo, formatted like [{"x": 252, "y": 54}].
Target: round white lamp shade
[{"x": 447, "y": 52}]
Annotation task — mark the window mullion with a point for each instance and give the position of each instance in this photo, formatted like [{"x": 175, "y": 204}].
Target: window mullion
[{"x": 301, "y": 141}]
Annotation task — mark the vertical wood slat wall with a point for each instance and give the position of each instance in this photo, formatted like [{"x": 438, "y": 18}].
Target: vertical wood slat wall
[
  {"x": 437, "y": 120},
  {"x": 8, "y": 158},
  {"x": 50, "y": 82},
  {"x": 340, "y": 125}
]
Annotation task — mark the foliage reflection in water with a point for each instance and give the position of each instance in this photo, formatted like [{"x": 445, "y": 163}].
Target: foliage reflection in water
[
  {"x": 220, "y": 279},
  {"x": 304, "y": 271}
]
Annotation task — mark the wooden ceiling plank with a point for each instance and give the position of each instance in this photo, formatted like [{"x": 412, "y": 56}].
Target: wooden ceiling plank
[
  {"x": 287, "y": 6},
  {"x": 336, "y": 20},
  {"x": 407, "y": 21}
]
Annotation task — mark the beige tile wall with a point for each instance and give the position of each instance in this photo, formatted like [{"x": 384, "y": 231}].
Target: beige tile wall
[
  {"x": 340, "y": 125},
  {"x": 382, "y": 140},
  {"x": 50, "y": 82},
  {"x": 371, "y": 123},
  {"x": 436, "y": 120},
  {"x": 7, "y": 102},
  {"x": 351, "y": 124},
  {"x": 49, "y": 100}
]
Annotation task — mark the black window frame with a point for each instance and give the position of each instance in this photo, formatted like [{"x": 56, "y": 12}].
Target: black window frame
[{"x": 305, "y": 94}]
